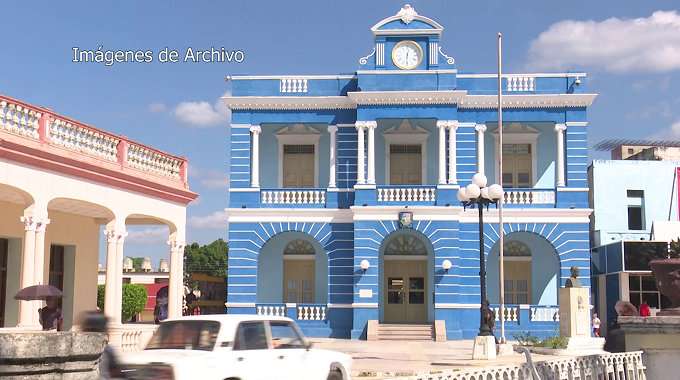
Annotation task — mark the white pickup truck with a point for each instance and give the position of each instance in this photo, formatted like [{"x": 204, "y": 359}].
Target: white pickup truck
[{"x": 233, "y": 347}]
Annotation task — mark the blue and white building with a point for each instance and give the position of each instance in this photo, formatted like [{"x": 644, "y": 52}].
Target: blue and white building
[{"x": 323, "y": 168}]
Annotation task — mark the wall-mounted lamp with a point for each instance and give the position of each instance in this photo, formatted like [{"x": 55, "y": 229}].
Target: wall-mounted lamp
[
  {"x": 244, "y": 206},
  {"x": 577, "y": 81},
  {"x": 365, "y": 265},
  {"x": 446, "y": 264}
]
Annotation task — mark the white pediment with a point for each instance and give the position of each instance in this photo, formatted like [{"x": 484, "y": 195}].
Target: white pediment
[
  {"x": 298, "y": 129},
  {"x": 518, "y": 128},
  {"x": 405, "y": 128}
]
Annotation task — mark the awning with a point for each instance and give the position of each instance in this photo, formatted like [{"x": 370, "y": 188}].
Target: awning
[{"x": 665, "y": 231}]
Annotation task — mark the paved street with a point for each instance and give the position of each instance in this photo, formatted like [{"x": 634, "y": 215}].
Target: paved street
[{"x": 411, "y": 357}]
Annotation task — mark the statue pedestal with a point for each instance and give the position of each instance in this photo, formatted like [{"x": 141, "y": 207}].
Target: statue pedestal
[
  {"x": 484, "y": 348},
  {"x": 574, "y": 304}
]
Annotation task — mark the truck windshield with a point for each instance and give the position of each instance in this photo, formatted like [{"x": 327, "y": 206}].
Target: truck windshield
[{"x": 185, "y": 335}]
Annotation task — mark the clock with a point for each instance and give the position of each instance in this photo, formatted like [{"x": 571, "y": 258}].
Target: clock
[{"x": 407, "y": 55}]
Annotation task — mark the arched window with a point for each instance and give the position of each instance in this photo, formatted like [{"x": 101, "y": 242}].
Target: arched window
[
  {"x": 405, "y": 245},
  {"x": 516, "y": 249},
  {"x": 299, "y": 247}
]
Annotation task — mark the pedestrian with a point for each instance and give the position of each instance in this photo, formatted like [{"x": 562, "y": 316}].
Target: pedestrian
[
  {"x": 596, "y": 325},
  {"x": 109, "y": 366},
  {"x": 157, "y": 311},
  {"x": 50, "y": 315},
  {"x": 644, "y": 309},
  {"x": 616, "y": 339},
  {"x": 491, "y": 320}
]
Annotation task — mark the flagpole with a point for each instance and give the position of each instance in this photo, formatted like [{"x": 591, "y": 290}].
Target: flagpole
[{"x": 500, "y": 202}]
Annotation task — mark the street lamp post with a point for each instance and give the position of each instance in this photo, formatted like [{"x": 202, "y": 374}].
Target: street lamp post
[{"x": 477, "y": 194}]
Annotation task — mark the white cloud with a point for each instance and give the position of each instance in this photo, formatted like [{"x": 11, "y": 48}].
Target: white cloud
[
  {"x": 670, "y": 133},
  {"x": 641, "y": 85},
  {"x": 202, "y": 114},
  {"x": 148, "y": 235},
  {"x": 210, "y": 178},
  {"x": 216, "y": 221},
  {"x": 196, "y": 202},
  {"x": 157, "y": 107},
  {"x": 616, "y": 45},
  {"x": 663, "y": 109}
]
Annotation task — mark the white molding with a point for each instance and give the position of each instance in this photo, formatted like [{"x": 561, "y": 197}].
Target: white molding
[
  {"x": 299, "y": 135},
  {"x": 277, "y": 77},
  {"x": 420, "y": 213},
  {"x": 410, "y": 136},
  {"x": 516, "y": 258},
  {"x": 529, "y": 215},
  {"x": 575, "y": 189},
  {"x": 365, "y": 305},
  {"x": 528, "y": 101},
  {"x": 243, "y": 126},
  {"x": 298, "y": 257},
  {"x": 339, "y": 306},
  {"x": 364, "y": 186},
  {"x": 388, "y": 72},
  {"x": 244, "y": 189},
  {"x": 405, "y": 257},
  {"x": 456, "y": 306},
  {"x": 285, "y": 215},
  {"x": 406, "y": 97},
  {"x": 535, "y": 75},
  {"x": 576, "y": 123},
  {"x": 448, "y": 187},
  {"x": 239, "y": 304},
  {"x": 406, "y": 32},
  {"x": 512, "y": 135},
  {"x": 288, "y": 102}
]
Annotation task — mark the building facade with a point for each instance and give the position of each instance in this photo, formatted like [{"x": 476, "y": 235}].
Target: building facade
[{"x": 328, "y": 172}]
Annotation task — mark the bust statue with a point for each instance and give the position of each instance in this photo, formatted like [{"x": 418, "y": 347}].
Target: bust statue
[{"x": 573, "y": 281}]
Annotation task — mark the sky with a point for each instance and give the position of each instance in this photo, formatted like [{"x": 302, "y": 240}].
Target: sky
[{"x": 629, "y": 49}]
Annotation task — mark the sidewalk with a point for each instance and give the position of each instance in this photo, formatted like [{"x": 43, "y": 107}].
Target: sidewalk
[{"x": 384, "y": 359}]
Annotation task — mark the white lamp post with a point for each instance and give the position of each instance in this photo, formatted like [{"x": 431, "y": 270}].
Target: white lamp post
[{"x": 477, "y": 194}]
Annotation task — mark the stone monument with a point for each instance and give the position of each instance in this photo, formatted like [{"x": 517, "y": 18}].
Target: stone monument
[{"x": 574, "y": 305}]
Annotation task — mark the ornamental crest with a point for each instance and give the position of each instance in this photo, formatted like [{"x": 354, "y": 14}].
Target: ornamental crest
[
  {"x": 405, "y": 220},
  {"x": 407, "y": 14}
]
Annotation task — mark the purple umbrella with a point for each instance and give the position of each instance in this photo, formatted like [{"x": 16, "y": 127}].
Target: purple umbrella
[{"x": 38, "y": 292}]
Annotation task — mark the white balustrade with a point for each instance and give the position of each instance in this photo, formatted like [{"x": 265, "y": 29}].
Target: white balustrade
[
  {"x": 84, "y": 140},
  {"x": 545, "y": 314},
  {"x": 151, "y": 161},
  {"x": 271, "y": 310},
  {"x": 311, "y": 313},
  {"x": 620, "y": 366},
  {"x": 521, "y": 84},
  {"x": 511, "y": 313},
  {"x": 19, "y": 120},
  {"x": 399, "y": 194},
  {"x": 294, "y": 196},
  {"x": 293, "y": 85},
  {"x": 529, "y": 197},
  {"x": 132, "y": 337}
]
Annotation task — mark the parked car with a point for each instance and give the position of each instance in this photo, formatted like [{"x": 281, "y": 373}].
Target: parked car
[{"x": 233, "y": 347}]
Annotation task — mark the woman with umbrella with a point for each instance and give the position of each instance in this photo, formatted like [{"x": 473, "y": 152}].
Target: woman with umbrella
[{"x": 50, "y": 316}]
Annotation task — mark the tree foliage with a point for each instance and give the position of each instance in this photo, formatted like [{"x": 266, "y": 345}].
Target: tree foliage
[
  {"x": 134, "y": 299},
  {"x": 209, "y": 259},
  {"x": 137, "y": 263}
]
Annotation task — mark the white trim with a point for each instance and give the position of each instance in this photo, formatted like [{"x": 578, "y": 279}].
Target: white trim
[
  {"x": 406, "y": 32},
  {"x": 524, "y": 307},
  {"x": 288, "y": 102},
  {"x": 365, "y": 305},
  {"x": 448, "y": 187},
  {"x": 407, "y": 97},
  {"x": 512, "y": 136},
  {"x": 298, "y": 257},
  {"x": 285, "y": 215},
  {"x": 535, "y": 75},
  {"x": 364, "y": 186},
  {"x": 576, "y": 123},
  {"x": 405, "y": 257},
  {"x": 528, "y": 101},
  {"x": 242, "y": 126},
  {"x": 239, "y": 304},
  {"x": 299, "y": 135},
  {"x": 391, "y": 213},
  {"x": 573, "y": 189},
  {"x": 529, "y": 215},
  {"x": 410, "y": 136},
  {"x": 244, "y": 189},
  {"x": 437, "y": 28},
  {"x": 456, "y": 306},
  {"x": 339, "y": 306},
  {"x": 384, "y": 72},
  {"x": 516, "y": 258},
  {"x": 277, "y": 77}
]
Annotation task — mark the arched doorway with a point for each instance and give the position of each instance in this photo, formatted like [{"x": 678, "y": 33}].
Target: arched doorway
[
  {"x": 517, "y": 261},
  {"x": 298, "y": 272},
  {"x": 406, "y": 282}
]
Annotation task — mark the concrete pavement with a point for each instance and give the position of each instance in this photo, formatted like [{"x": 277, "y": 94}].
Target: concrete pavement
[{"x": 384, "y": 359}]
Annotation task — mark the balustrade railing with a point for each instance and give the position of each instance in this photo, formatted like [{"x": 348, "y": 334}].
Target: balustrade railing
[
  {"x": 293, "y": 196},
  {"x": 293, "y": 85},
  {"x": 311, "y": 312},
  {"x": 520, "y": 83},
  {"x": 529, "y": 196},
  {"x": 133, "y": 337},
  {"x": 41, "y": 124},
  {"x": 545, "y": 314},
  {"x": 511, "y": 313},
  {"x": 276, "y": 310},
  {"x": 406, "y": 194}
]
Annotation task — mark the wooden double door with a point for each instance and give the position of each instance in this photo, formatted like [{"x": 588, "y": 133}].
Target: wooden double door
[{"x": 406, "y": 291}]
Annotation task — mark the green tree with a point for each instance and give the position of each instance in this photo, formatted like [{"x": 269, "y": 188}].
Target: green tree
[
  {"x": 134, "y": 299},
  {"x": 137, "y": 263},
  {"x": 209, "y": 259}
]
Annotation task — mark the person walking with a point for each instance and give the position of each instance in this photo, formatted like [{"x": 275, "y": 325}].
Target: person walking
[{"x": 596, "y": 325}]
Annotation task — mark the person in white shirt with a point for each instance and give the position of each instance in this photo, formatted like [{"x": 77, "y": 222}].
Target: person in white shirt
[{"x": 596, "y": 325}]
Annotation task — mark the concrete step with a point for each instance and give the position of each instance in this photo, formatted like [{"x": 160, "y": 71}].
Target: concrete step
[
  {"x": 405, "y": 332},
  {"x": 427, "y": 338}
]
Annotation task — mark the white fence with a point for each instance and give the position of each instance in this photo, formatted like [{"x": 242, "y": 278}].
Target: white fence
[
  {"x": 418, "y": 194},
  {"x": 294, "y": 196}
]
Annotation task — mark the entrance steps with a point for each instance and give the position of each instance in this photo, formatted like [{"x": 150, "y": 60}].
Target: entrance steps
[{"x": 406, "y": 332}]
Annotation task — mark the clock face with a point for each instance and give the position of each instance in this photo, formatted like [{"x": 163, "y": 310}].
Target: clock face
[{"x": 407, "y": 55}]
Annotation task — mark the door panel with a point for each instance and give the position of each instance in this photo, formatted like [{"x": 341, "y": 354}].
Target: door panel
[
  {"x": 517, "y": 282},
  {"x": 406, "y": 165},
  {"x": 298, "y": 281},
  {"x": 298, "y": 166},
  {"x": 406, "y": 291},
  {"x": 517, "y": 166}
]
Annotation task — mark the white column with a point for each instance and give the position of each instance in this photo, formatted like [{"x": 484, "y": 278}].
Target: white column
[
  {"x": 560, "y": 128},
  {"x": 452, "y": 126},
  {"x": 27, "y": 309},
  {"x": 480, "y": 128},
  {"x": 441, "y": 124},
  {"x": 175, "y": 285},
  {"x": 360, "y": 126},
  {"x": 371, "y": 125},
  {"x": 118, "y": 290},
  {"x": 255, "y": 170},
  {"x": 39, "y": 263},
  {"x": 111, "y": 270},
  {"x": 332, "y": 131}
]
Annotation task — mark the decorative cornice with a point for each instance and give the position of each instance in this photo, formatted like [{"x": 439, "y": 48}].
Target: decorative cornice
[
  {"x": 448, "y": 124},
  {"x": 407, "y": 13},
  {"x": 406, "y": 97},
  {"x": 332, "y": 128},
  {"x": 449, "y": 60},
  {"x": 117, "y": 237},
  {"x": 32, "y": 223},
  {"x": 528, "y": 101},
  {"x": 560, "y": 127},
  {"x": 366, "y": 124},
  {"x": 288, "y": 102},
  {"x": 480, "y": 128},
  {"x": 255, "y": 129},
  {"x": 177, "y": 246},
  {"x": 364, "y": 60}
]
